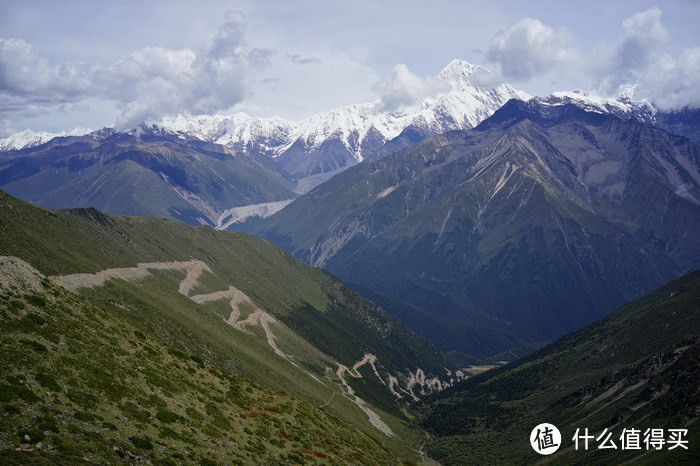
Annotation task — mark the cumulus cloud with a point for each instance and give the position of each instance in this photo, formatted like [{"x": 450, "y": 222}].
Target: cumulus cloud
[
  {"x": 405, "y": 88},
  {"x": 639, "y": 57},
  {"x": 148, "y": 84},
  {"x": 676, "y": 84},
  {"x": 530, "y": 48},
  {"x": 643, "y": 34},
  {"x": 26, "y": 77},
  {"x": 638, "y": 51}
]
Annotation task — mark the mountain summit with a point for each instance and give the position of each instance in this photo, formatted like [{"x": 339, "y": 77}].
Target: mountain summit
[
  {"x": 344, "y": 136},
  {"x": 458, "y": 72},
  {"x": 29, "y": 138},
  {"x": 333, "y": 140}
]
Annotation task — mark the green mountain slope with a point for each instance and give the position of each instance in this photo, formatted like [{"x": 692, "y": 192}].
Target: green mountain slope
[
  {"x": 637, "y": 368},
  {"x": 538, "y": 222},
  {"x": 239, "y": 303},
  {"x": 81, "y": 385},
  {"x": 142, "y": 176}
]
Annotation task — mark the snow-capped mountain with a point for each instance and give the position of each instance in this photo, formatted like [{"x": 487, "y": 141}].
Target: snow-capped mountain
[
  {"x": 622, "y": 106},
  {"x": 344, "y": 136},
  {"x": 317, "y": 147},
  {"x": 683, "y": 122},
  {"x": 29, "y": 138}
]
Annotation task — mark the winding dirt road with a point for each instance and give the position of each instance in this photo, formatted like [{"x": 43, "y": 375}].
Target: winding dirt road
[{"x": 194, "y": 268}]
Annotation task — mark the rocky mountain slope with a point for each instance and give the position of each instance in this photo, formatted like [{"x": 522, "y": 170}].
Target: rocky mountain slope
[
  {"x": 541, "y": 220},
  {"x": 147, "y": 175},
  {"x": 635, "y": 369}
]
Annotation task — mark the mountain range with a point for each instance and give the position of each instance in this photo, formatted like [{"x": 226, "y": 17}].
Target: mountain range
[
  {"x": 682, "y": 122},
  {"x": 540, "y": 220},
  {"x": 27, "y": 139},
  {"x": 589, "y": 167},
  {"x": 342, "y": 137},
  {"x": 194, "y": 182},
  {"x": 197, "y": 169},
  {"x": 328, "y": 141},
  {"x": 277, "y": 159}
]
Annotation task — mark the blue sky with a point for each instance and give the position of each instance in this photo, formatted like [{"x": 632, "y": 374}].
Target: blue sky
[{"x": 93, "y": 63}]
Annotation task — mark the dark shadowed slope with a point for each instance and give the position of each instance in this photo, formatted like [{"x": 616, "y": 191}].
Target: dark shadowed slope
[{"x": 637, "y": 368}]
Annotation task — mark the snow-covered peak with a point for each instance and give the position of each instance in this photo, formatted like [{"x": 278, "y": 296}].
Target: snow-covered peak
[
  {"x": 77, "y": 131},
  {"x": 359, "y": 128},
  {"x": 627, "y": 92},
  {"x": 29, "y": 138},
  {"x": 457, "y": 73},
  {"x": 204, "y": 127},
  {"x": 622, "y": 106},
  {"x": 346, "y": 135}
]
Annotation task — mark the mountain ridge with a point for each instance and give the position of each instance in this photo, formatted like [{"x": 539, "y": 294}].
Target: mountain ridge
[
  {"x": 194, "y": 182},
  {"x": 554, "y": 188}
]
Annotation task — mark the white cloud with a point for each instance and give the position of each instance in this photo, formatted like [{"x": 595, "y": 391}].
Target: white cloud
[
  {"x": 191, "y": 66},
  {"x": 639, "y": 57},
  {"x": 27, "y": 77},
  {"x": 148, "y": 84},
  {"x": 486, "y": 78},
  {"x": 530, "y": 48},
  {"x": 677, "y": 85},
  {"x": 406, "y": 88},
  {"x": 638, "y": 51}
]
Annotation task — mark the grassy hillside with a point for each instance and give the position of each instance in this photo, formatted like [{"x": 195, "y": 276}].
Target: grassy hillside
[
  {"x": 81, "y": 385},
  {"x": 87, "y": 241},
  {"x": 311, "y": 327},
  {"x": 637, "y": 368}
]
